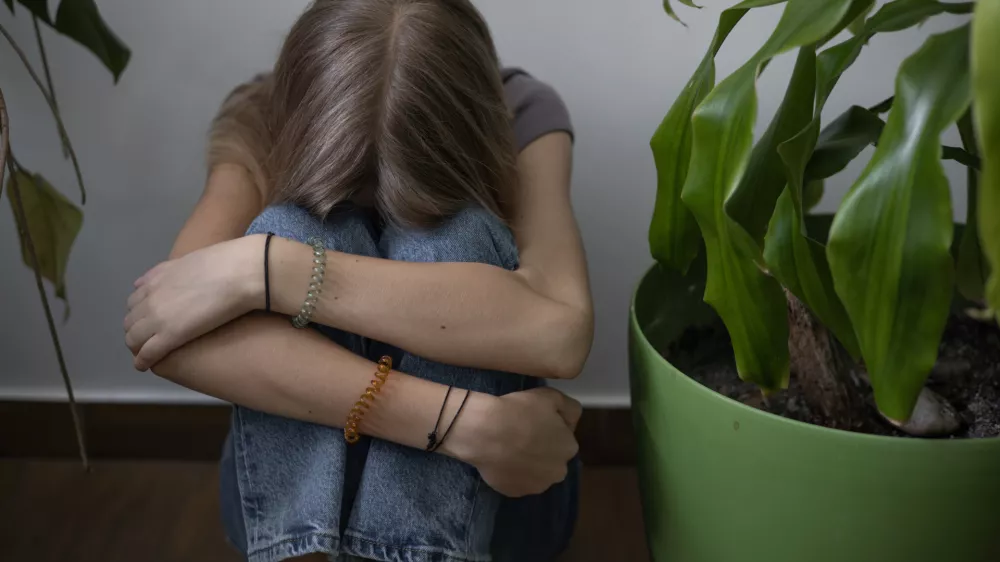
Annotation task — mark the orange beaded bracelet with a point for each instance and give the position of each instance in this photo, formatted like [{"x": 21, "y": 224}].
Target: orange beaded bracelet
[{"x": 351, "y": 434}]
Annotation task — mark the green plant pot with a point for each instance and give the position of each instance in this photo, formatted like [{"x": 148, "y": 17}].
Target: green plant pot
[{"x": 723, "y": 482}]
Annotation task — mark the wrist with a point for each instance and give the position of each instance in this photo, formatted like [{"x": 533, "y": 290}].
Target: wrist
[
  {"x": 469, "y": 440},
  {"x": 251, "y": 284}
]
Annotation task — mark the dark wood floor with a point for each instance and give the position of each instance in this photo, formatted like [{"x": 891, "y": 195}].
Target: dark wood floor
[{"x": 161, "y": 511}]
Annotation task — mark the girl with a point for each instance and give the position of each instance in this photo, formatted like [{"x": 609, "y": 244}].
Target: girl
[{"x": 389, "y": 133}]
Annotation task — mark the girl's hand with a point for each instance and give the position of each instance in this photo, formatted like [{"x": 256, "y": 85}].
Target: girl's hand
[
  {"x": 182, "y": 299},
  {"x": 521, "y": 442}
]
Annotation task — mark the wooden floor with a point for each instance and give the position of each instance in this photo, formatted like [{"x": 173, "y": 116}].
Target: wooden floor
[{"x": 158, "y": 511}]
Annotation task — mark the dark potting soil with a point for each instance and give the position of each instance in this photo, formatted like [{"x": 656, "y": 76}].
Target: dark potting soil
[{"x": 967, "y": 375}]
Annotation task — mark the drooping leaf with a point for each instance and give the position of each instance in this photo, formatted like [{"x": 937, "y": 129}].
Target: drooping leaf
[
  {"x": 986, "y": 103},
  {"x": 842, "y": 140},
  {"x": 798, "y": 262},
  {"x": 750, "y": 302},
  {"x": 903, "y": 14},
  {"x": 10, "y": 5},
  {"x": 39, "y": 8},
  {"x": 889, "y": 247},
  {"x": 673, "y": 234},
  {"x": 752, "y": 202},
  {"x": 53, "y": 222},
  {"x": 81, "y": 21},
  {"x": 857, "y": 25},
  {"x": 883, "y": 106},
  {"x": 971, "y": 268}
]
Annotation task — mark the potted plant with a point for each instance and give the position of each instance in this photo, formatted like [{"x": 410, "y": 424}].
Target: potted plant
[{"x": 836, "y": 397}]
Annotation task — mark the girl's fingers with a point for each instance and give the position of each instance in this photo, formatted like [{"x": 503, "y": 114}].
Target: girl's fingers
[
  {"x": 152, "y": 351},
  {"x": 137, "y": 296},
  {"x": 138, "y": 334}
]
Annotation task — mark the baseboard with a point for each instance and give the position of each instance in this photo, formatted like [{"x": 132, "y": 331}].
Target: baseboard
[{"x": 195, "y": 432}]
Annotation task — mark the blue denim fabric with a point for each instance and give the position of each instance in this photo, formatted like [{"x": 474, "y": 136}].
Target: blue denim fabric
[{"x": 283, "y": 480}]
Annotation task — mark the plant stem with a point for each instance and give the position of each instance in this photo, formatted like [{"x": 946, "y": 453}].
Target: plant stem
[
  {"x": 20, "y": 217},
  {"x": 4, "y": 139},
  {"x": 48, "y": 81},
  {"x": 50, "y": 100}
]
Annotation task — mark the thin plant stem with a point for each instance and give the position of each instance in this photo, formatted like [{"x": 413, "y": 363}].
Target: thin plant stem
[
  {"x": 4, "y": 138},
  {"x": 20, "y": 217},
  {"x": 49, "y": 99},
  {"x": 48, "y": 81}
]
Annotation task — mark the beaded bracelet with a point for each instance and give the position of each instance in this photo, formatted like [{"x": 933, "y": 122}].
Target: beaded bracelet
[
  {"x": 357, "y": 413},
  {"x": 315, "y": 284}
]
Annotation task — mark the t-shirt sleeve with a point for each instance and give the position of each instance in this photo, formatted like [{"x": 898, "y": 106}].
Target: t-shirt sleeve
[{"x": 537, "y": 108}]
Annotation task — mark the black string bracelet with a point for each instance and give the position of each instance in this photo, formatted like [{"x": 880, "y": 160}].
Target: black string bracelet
[
  {"x": 452, "y": 424},
  {"x": 433, "y": 435},
  {"x": 267, "y": 274}
]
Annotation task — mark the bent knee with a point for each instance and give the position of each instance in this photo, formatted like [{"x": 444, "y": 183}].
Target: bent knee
[
  {"x": 474, "y": 235},
  {"x": 347, "y": 230}
]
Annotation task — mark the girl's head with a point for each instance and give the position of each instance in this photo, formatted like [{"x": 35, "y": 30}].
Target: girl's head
[{"x": 400, "y": 99}]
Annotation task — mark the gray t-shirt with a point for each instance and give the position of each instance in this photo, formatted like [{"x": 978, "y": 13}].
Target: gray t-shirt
[{"x": 536, "y": 107}]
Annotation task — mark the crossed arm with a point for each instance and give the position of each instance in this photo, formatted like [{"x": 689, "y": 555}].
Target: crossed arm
[{"x": 536, "y": 320}]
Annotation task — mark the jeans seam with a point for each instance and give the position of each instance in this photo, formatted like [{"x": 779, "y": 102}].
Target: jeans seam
[
  {"x": 279, "y": 542},
  {"x": 246, "y": 472},
  {"x": 472, "y": 513},
  {"x": 355, "y": 535}
]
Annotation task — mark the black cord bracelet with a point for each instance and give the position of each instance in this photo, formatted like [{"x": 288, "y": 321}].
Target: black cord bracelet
[
  {"x": 267, "y": 274},
  {"x": 452, "y": 424},
  {"x": 433, "y": 435}
]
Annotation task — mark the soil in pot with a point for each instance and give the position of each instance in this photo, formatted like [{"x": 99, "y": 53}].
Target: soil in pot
[{"x": 967, "y": 375}]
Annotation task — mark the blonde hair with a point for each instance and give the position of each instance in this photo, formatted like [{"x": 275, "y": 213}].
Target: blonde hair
[{"x": 403, "y": 97}]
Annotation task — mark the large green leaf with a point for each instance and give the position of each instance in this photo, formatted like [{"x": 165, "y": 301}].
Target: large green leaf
[
  {"x": 673, "y": 234},
  {"x": 750, "y": 302},
  {"x": 986, "y": 85},
  {"x": 972, "y": 270},
  {"x": 81, "y": 21},
  {"x": 53, "y": 222},
  {"x": 889, "y": 247}
]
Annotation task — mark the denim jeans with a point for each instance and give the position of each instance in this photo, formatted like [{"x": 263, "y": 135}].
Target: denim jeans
[{"x": 291, "y": 488}]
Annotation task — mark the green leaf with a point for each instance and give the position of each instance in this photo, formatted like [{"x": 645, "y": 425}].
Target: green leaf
[
  {"x": 673, "y": 234},
  {"x": 38, "y": 8},
  {"x": 10, "y": 5},
  {"x": 798, "y": 262},
  {"x": 889, "y": 247},
  {"x": 752, "y": 202},
  {"x": 750, "y": 302},
  {"x": 80, "y": 21},
  {"x": 842, "y": 140},
  {"x": 883, "y": 106},
  {"x": 812, "y": 193},
  {"x": 857, "y": 25},
  {"x": 972, "y": 271},
  {"x": 985, "y": 85},
  {"x": 903, "y": 14},
  {"x": 53, "y": 222}
]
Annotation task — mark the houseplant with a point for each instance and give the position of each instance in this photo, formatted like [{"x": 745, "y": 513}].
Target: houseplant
[
  {"x": 47, "y": 221},
  {"x": 853, "y": 307}
]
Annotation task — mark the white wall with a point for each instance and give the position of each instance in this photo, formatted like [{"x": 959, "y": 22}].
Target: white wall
[{"x": 618, "y": 65}]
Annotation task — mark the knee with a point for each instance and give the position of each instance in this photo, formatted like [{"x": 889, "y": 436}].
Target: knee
[
  {"x": 473, "y": 235},
  {"x": 347, "y": 230}
]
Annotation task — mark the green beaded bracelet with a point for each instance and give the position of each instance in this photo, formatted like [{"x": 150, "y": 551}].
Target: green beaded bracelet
[{"x": 315, "y": 284}]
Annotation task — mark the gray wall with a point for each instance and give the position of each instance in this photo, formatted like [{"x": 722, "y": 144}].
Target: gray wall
[{"x": 618, "y": 64}]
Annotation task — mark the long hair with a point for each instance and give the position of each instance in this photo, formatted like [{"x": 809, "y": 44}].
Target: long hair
[{"x": 399, "y": 97}]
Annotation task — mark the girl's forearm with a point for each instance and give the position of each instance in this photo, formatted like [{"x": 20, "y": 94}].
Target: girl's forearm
[
  {"x": 466, "y": 314},
  {"x": 263, "y": 363}
]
